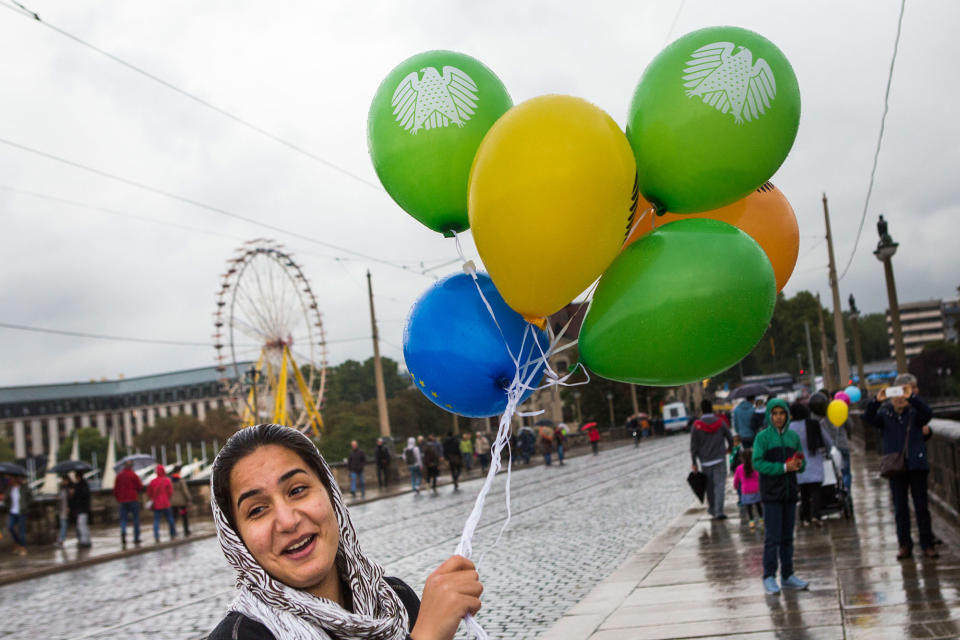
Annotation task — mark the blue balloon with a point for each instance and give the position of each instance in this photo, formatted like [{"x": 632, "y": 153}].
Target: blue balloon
[
  {"x": 455, "y": 353},
  {"x": 853, "y": 392}
]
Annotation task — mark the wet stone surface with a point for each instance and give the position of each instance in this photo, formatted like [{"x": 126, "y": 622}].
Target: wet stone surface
[
  {"x": 702, "y": 579},
  {"x": 571, "y": 527}
]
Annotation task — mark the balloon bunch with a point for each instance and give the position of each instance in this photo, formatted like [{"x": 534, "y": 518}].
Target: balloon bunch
[{"x": 676, "y": 216}]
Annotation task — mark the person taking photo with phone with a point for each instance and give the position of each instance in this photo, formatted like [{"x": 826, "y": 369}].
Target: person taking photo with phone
[{"x": 902, "y": 418}]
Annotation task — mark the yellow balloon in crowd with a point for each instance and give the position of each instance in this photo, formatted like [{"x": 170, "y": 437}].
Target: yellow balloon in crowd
[
  {"x": 552, "y": 193},
  {"x": 837, "y": 412}
]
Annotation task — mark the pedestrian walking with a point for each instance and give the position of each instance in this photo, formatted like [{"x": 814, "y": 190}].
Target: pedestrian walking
[
  {"x": 814, "y": 444},
  {"x": 126, "y": 491},
  {"x": 383, "y": 458},
  {"x": 710, "y": 441},
  {"x": 593, "y": 434},
  {"x": 355, "y": 464},
  {"x": 451, "y": 452},
  {"x": 482, "y": 446},
  {"x": 746, "y": 481},
  {"x": 63, "y": 509},
  {"x": 633, "y": 427},
  {"x": 180, "y": 502},
  {"x": 743, "y": 421},
  {"x": 560, "y": 437},
  {"x": 159, "y": 492},
  {"x": 466, "y": 451},
  {"x": 777, "y": 457},
  {"x": 527, "y": 441},
  {"x": 902, "y": 417},
  {"x": 80, "y": 506},
  {"x": 431, "y": 461},
  {"x": 546, "y": 444},
  {"x": 414, "y": 462},
  {"x": 17, "y": 501},
  {"x": 283, "y": 526}
]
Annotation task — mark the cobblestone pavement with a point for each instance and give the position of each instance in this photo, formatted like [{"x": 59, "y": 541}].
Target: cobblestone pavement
[{"x": 570, "y": 527}]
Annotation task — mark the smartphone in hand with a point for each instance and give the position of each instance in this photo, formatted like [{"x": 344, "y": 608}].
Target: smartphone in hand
[{"x": 894, "y": 392}]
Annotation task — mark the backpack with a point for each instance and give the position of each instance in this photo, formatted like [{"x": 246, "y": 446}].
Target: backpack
[{"x": 409, "y": 457}]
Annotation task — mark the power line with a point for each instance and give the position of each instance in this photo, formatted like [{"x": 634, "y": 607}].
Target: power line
[
  {"x": 876, "y": 154},
  {"x": 22, "y": 10},
  {"x": 201, "y": 205},
  {"x": 100, "y": 336}
]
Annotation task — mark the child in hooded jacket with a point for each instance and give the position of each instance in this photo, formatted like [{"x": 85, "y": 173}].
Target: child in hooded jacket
[{"x": 746, "y": 481}]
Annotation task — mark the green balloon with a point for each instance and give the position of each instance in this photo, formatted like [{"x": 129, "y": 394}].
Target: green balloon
[
  {"x": 683, "y": 303},
  {"x": 427, "y": 119},
  {"x": 712, "y": 118}
]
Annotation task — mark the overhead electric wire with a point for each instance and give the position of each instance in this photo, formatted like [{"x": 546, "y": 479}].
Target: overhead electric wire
[
  {"x": 22, "y": 10},
  {"x": 876, "y": 154},
  {"x": 203, "y": 205},
  {"x": 101, "y": 336}
]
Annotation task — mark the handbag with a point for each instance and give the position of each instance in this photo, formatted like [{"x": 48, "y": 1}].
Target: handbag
[{"x": 895, "y": 464}]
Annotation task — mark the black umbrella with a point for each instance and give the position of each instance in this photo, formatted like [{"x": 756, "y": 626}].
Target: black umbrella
[
  {"x": 751, "y": 389},
  {"x": 139, "y": 460},
  {"x": 545, "y": 423},
  {"x": 698, "y": 482},
  {"x": 71, "y": 465},
  {"x": 11, "y": 469}
]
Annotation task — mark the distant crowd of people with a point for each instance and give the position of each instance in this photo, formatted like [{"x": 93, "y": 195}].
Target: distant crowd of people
[{"x": 789, "y": 463}]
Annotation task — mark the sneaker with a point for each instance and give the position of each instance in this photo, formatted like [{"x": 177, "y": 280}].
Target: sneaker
[
  {"x": 931, "y": 553},
  {"x": 770, "y": 584},
  {"x": 904, "y": 553},
  {"x": 793, "y": 582}
]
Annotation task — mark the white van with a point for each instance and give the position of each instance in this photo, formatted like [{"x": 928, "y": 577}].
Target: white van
[{"x": 675, "y": 417}]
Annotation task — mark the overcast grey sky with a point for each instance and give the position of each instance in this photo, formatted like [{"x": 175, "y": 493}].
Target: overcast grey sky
[{"x": 307, "y": 71}]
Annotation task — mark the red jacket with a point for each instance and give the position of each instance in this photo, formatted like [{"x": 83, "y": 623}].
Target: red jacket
[
  {"x": 127, "y": 486},
  {"x": 160, "y": 489},
  {"x": 594, "y": 434}
]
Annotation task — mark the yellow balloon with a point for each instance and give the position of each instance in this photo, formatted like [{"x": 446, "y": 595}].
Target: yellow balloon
[
  {"x": 552, "y": 193},
  {"x": 837, "y": 412}
]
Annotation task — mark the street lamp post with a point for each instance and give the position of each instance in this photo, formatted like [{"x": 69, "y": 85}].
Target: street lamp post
[
  {"x": 610, "y": 405},
  {"x": 886, "y": 248},
  {"x": 576, "y": 397},
  {"x": 857, "y": 347},
  {"x": 252, "y": 375}
]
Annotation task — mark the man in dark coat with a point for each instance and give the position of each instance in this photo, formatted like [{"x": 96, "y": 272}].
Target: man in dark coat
[
  {"x": 383, "y": 463},
  {"x": 355, "y": 464},
  {"x": 902, "y": 420},
  {"x": 710, "y": 442},
  {"x": 451, "y": 451}
]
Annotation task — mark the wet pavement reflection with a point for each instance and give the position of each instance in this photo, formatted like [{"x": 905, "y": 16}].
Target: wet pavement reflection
[{"x": 701, "y": 578}]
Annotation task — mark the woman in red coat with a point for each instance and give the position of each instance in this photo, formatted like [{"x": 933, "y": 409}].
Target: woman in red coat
[
  {"x": 160, "y": 491},
  {"x": 594, "y": 434}
]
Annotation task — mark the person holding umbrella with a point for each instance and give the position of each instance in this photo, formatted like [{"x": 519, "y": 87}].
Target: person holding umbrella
[
  {"x": 710, "y": 441},
  {"x": 80, "y": 505},
  {"x": 126, "y": 490},
  {"x": 593, "y": 433}
]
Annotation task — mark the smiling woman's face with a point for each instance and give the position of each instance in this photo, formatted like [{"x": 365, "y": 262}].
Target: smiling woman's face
[{"x": 284, "y": 516}]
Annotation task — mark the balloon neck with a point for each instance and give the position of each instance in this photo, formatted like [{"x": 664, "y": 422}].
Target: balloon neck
[
  {"x": 449, "y": 233},
  {"x": 538, "y": 322},
  {"x": 659, "y": 209},
  {"x": 503, "y": 382}
]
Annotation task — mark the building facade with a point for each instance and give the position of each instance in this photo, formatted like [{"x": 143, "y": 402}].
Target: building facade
[
  {"x": 925, "y": 322},
  {"x": 36, "y": 419}
]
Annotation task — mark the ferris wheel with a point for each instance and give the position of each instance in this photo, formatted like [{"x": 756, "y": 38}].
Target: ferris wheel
[{"x": 269, "y": 339}]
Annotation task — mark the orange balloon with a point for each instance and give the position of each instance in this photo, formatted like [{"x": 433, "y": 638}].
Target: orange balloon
[{"x": 765, "y": 215}]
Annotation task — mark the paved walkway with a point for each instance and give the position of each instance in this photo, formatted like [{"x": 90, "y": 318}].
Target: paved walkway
[
  {"x": 48, "y": 559},
  {"x": 702, "y": 579}
]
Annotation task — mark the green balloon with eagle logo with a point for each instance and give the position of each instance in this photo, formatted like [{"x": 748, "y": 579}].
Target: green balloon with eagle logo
[
  {"x": 426, "y": 122},
  {"x": 712, "y": 118}
]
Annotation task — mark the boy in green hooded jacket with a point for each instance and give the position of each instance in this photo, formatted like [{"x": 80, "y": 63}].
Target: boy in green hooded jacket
[{"x": 777, "y": 457}]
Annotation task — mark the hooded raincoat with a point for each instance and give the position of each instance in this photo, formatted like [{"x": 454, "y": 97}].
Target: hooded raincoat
[{"x": 771, "y": 449}]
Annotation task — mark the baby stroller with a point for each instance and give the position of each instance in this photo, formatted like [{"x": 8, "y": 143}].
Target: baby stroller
[{"x": 834, "y": 497}]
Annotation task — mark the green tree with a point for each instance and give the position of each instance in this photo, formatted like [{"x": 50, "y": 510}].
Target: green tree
[
  {"x": 931, "y": 365},
  {"x": 7, "y": 453},
  {"x": 873, "y": 337},
  {"x": 90, "y": 441},
  {"x": 168, "y": 431}
]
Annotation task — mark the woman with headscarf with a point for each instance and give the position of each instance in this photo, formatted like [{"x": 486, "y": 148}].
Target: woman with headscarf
[{"x": 282, "y": 524}]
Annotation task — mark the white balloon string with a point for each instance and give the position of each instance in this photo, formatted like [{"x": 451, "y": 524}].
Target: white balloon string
[{"x": 636, "y": 223}]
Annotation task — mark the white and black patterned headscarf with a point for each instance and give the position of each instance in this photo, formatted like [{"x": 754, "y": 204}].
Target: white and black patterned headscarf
[{"x": 293, "y": 614}]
